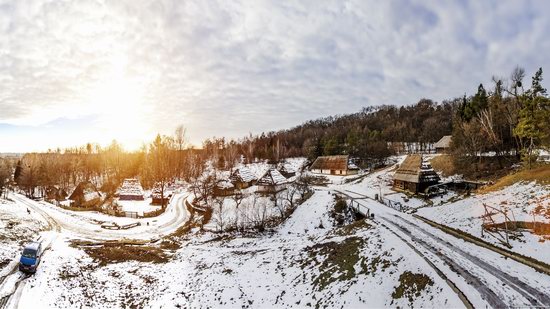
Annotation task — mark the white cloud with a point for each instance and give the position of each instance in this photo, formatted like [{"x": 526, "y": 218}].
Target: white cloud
[{"x": 233, "y": 67}]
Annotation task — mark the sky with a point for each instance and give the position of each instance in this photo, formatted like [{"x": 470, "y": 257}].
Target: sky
[{"x": 73, "y": 72}]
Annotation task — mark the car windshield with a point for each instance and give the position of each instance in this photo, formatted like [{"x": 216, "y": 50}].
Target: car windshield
[{"x": 29, "y": 253}]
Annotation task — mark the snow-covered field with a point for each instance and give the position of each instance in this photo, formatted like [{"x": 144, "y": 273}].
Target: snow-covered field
[
  {"x": 140, "y": 207},
  {"x": 519, "y": 200},
  {"x": 299, "y": 264},
  {"x": 392, "y": 260}
]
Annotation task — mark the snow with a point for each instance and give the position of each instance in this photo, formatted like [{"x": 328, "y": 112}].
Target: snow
[
  {"x": 245, "y": 174},
  {"x": 140, "y": 207},
  {"x": 520, "y": 199},
  {"x": 306, "y": 261},
  {"x": 131, "y": 187}
]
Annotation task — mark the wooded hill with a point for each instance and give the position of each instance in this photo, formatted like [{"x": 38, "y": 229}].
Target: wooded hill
[{"x": 500, "y": 126}]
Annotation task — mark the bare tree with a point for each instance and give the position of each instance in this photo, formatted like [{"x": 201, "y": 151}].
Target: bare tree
[
  {"x": 6, "y": 171},
  {"x": 161, "y": 169},
  {"x": 220, "y": 213},
  {"x": 180, "y": 139}
]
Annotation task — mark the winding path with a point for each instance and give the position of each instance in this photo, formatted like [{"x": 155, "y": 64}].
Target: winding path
[{"x": 75, "y": 226}]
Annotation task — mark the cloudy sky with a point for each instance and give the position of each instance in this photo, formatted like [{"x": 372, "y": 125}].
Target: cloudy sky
[{"x": 73, "y": 72}]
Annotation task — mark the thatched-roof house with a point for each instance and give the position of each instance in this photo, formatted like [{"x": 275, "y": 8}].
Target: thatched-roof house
[
  {"x": 85, "y": 195},
  {"x": 271, "y": 182},
  {"x": 334, "y": 165},
  {"x": 414, "y": 175},
  {"x": 130, "y": 190},
  {"x": 444, "y": 144},
  {"x": 56, "y": 193},
  {"x": 242, "y": 178}
]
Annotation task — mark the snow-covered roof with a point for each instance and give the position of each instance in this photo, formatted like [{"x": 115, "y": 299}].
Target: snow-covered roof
[
  {"x": 272, "y": 177},
  {"x": 243, "y": 174},
  {"x": 224, "y": 184},
  {"x": 131, "y": 186},
  {"x": 85, "y": 190}
]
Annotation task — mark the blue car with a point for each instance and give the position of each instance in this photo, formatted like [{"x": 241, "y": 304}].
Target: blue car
[{"x": 30, "y": 258}]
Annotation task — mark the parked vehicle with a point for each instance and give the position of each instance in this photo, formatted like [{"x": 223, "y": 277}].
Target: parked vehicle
[{"x": 30, "y": 257}]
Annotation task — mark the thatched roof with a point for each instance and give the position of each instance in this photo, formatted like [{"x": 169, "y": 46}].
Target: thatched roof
[
  {"x": 331, "y": 163},
  {"x": 271, "y": 178},
  {"x": 85, "y": 191},
  {"x": 242, "y": 174},
  {"x": 413, "y": 169},
  {"x": 131, "y": 186},
  {"x": 444, "y": 142}
]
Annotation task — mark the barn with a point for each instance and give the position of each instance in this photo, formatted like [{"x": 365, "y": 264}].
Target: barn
[
  {"x": 414, "y": 175},
  {"x": 271, "y": 182},
  {"x": 443, "y": 145},
  {"x": 130, "y": 190},
  {"x": 334, "y": 165},
  {"x": 242, "y": 178}
]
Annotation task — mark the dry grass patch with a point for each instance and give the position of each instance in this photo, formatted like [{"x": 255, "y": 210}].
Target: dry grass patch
[
  {"x": 411, "y": 286},
  {"x": 110, "y": 254},
  {"x": 540, "y": 174},
  {"x": 444, "y": 164}
]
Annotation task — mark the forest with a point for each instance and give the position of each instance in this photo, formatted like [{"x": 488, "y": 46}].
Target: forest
[{"x": 504, "y": 123}]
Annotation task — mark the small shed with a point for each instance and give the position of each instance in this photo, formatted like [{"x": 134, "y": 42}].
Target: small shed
[
  {"x": 444, "y": 144},
  {"x": 414, "y": 175},
  {"x": 271, "y": 182},
  {"x": 242, "y": 178},
  {"x": 334, "y": 165},
  {"x": 85, "y": 195},
  {"x": 130, "y": 190}
]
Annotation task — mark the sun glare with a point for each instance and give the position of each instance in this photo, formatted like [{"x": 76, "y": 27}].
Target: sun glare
[{"x": 119, "y": 100}]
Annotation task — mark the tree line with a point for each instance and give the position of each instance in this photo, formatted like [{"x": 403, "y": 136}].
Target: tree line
[{"x": 508, "y": 123}]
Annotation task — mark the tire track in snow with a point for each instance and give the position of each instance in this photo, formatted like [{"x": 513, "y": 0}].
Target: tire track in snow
[
  {"x": 487, "y": 294},
  {"x": 8, "y": 298},
  {"x": 534, "y": 296},
  {"x": 451, "y": 284}
]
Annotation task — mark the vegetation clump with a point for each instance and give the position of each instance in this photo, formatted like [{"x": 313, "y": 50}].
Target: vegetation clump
[
  {"x": 339, "y": 261},
  {"x": 115, "y": 253},
  {"x": 411, "y": 285}
]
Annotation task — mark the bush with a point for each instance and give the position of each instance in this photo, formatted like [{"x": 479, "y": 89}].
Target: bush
[{"x": 340, "y": 206}]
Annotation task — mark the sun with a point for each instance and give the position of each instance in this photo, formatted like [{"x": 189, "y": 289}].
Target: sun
[{"x": 120, "y": 104}]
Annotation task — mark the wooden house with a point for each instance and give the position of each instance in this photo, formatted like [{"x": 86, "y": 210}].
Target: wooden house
[
  {"x": 130, "y": 190},
  {"x": 271, "y": 182},
  {"x": 443, "y": 145},
  {"x": 414, "y": 175},
  {"x": 334, "y": 165},
  {"x": 85, "y": 195},
  {"x": 242, "y": 178}
]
